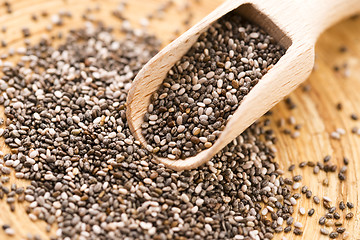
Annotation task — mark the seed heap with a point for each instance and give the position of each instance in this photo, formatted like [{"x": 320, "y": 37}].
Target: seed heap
[
  {"x": 68, "y": 134},
  {"x": 204, "y": 88}
]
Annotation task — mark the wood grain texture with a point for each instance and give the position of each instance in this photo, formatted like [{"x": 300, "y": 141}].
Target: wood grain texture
[
  {"x": 316, "y": 109},
  {"x": 295, "y": 25}
]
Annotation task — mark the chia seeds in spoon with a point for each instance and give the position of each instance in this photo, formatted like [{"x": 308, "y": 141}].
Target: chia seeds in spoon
[{"x": 202, "y": 91}]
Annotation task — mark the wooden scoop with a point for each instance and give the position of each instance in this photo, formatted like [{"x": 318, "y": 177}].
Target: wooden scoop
[{"x": 295, "y": 24}]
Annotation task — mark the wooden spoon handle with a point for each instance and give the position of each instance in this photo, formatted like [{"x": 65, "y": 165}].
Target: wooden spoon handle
[{"x": 325, "y": 13}]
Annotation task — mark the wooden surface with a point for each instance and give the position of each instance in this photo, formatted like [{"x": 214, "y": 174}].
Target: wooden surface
[{"x": 316, "y": 109}]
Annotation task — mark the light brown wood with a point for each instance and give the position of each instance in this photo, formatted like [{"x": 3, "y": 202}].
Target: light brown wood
[
  {"x": 316, "y": 109},
  {"x": 296, "y": 25}
]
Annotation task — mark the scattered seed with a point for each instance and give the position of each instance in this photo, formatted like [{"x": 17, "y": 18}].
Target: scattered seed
[
  {"x": 296, "y": 185},
  {"x": 290, "y": 221},
  {"x": 332, "y": 209},
  {"x": 322, "y": 220},
  {"x": 302, "y": 211},
  {"x": 298, "y": 231},
  {"x": 338, "y": 224},
  {"x": 311, "y": 212},
  {"x": 335, "y": 135},
  {"x": 310, "y": 163},
  {"x": 349, "y": 216},
  {"x": 5, "y": 226},
  {"x": 354, "y": 116},
  {"x": 298, "y": 225},
  {"x": 288, "y": 181},
  {"x": 326, "y": 205},
  {"x": 329, "y": 216},
  {"x": 292, "y": 201},
  {"x": 336, "y": 215},
  {"x": 289, "y": 103},
  {"x": 9, "y": 231},
  {"x": 333, "y": 235},
  {"x": 324, "y": 231},
  {"x": 329, "y": 222},
  {"x": 339, "y": 106},
  {"x": 297, "y": 178},
  {"x": 26, "y": 32},
  {"x": 308, "y": 194},
  {"x": 326, "y": 182},
  {"x": 291, "y": 168},
  {"x": 350, "y": 205},
  {"x": 302, "y": 164},
  {"x": 341, "y": 176},
  {"x": 343, "y": 169},
  {"x": 327, "y": 158}
]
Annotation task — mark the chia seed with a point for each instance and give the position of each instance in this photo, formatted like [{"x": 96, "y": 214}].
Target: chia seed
[
  {"x": 336, "y": 215},
  {"x": 349, "y": 216},
  {"x": 298, "y": 231},
  {"x": 322, "y": 220},
  {"x": 350, "y": 205},
  {"x": 311, "y": 212},
  {"x": 291, "y": 168},
  {"x": 333, "y": 235},
  {"x": 324, "y": 231}
]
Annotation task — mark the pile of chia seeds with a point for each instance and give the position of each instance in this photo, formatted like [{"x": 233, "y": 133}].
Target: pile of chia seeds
[{"x": 67, "y": 129}]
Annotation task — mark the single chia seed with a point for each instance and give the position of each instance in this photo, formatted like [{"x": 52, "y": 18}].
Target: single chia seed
[
  {"x": 287, "y": 229},
  {"x": 350, "y": 205},
  {"x": 338, "y": 224},
  {"x": 311, "y": 212},
  {"x": 298, "y": 231},
  {"x": 322, "y": 220},
  {"x": 333, "y": 235},
  {"x": 336, "y": 215},
  {"x": 327, "y": 158},
  {"x": 332, "y": 209},
  {"x": 342, "y": 205},
  {"x": 324, "y": 231},
  {"x": 291, "y": 168},
  {"x": 349, "y": 216}
]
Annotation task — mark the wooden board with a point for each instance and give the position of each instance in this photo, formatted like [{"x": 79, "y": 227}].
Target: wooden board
[{"x": 316, "y": 109}]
